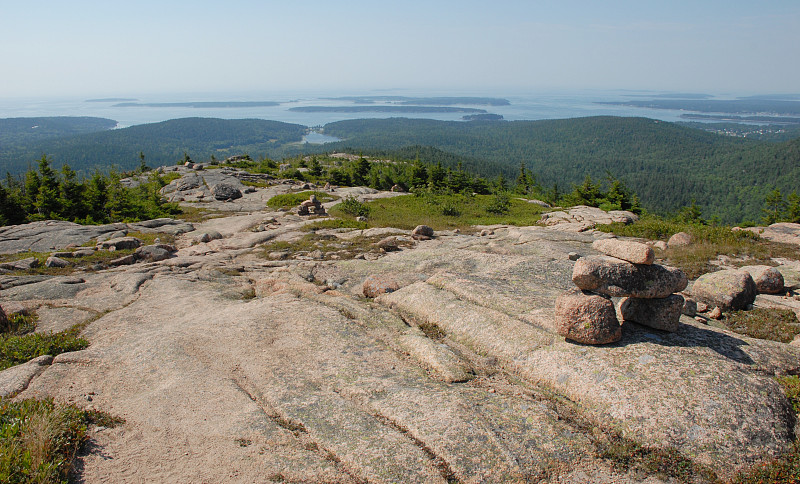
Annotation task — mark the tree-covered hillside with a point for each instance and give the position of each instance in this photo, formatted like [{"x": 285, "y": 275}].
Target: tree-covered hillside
[
  {"x": 162, "y": 144},
  {"x": 667, "y": 165},
  {"x": 16, "y": 133}
]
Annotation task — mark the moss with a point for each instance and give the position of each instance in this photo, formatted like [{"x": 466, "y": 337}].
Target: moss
[
  {"x": 785, "y": 468},
  {"x": 772, "y": 324}
]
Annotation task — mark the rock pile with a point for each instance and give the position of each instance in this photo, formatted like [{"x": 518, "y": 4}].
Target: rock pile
[
  {"x": 626, "y": 269},
  {"x": 311, "y": 206}
]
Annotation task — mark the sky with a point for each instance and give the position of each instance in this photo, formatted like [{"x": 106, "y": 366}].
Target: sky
[{"x": 115, "y": 48}]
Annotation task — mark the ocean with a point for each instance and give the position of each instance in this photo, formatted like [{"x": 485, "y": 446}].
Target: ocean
[{"x": 129, "y": 110}]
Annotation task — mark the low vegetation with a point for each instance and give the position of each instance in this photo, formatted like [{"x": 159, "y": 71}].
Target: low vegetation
[
  {"x": 709, "y": 242},
  {"x": 291, "y": 200},
  {"x": 39, "y": 439},
  {"x": 19, "y": 343},
  {"x": 443, "y": 211},
  {"x": 772, "y": 324}
]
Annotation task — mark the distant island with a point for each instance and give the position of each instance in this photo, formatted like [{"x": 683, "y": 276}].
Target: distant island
[
  {"x": 202, "y": 104},
  {"x": 733, "y": 106},
  {"x": 425, "y": 101},
  {"x": 741, "y": 119},
  {"x": 482, "y": 117},
  {"x": 111, "y": 100},
  {"x": 384, "y": 109}
]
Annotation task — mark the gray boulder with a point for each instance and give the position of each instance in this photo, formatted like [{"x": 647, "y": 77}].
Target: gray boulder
[
  {"x": 634, "y": 252},
  {"x": 587, "y": 318},
  {"x": 663, "y": 314},
  {"x": 618, "y": 278},
  {"x": 375, "y": 285},
  {"x": 728, "y": 289},
  {"x": 21, "y": 265},
  {"x": 422, "y": 232},
  {"x": 225, "y": 191},
  {"x": 152, "y": 253},
  {"x": 769, "y": 280},
  {"x": 55, "y": 262},
  {"x": 188, "y": 182},
  {"x": 121, "y": 243}
]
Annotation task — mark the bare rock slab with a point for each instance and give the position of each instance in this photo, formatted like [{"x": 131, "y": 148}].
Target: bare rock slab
[
  {"x": 769, "y": 280},
  {"x": 628, "y": 250},
  {"x": 619, "y": 278},
  {"x": 728, "y": 289},
  {"x": 587, "y": 318},
  {"x": 663, "y": 314}
]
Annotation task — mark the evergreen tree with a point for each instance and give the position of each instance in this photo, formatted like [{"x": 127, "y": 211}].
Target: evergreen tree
[{"x": 774, "y": 208}]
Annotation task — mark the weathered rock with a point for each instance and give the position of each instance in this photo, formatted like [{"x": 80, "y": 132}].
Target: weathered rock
[
  {"x": 660, "y": 245},
  {"x": 152, "y": 253},
  {"x": 121, "y": 243},
  {"x": 663, "y": 314},
  {"x": 715, "y": 313},
  {"x": 225, "y": 191},
  {"x": 727, "y": 289},
  {"x": 21, "y": 265},
  {"x": 4, "y": 326},
  {"x": 581, "y": 218},
  {"x": 573, "y": 256},
  {"x": 123, "y": 261},
  {"x": 188, "y": 182},
  {"x": 112, "y": 235},
  {"x": 634, "y": 252},
  {"x": 616, "y": 277},
  {"x": 587, "y": 318},
  {"x": 681, "y": 239},
  {"x": 15, "y": 379},
  {"x": 208, "y": 236},
  {"x": 422, "y": 232},
  {"x": 486, "y": 232},
  {"x": 689, "y": 307},
  {"x": 55, "y": 262},
  {"x": 375, "y": 285},
  {"x": 388, "y": 244},
  {"x": 769, "y": 280},
  {"x": 702, "y": 307}
]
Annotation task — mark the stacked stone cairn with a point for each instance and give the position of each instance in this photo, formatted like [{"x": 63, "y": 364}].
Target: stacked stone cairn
[
  {"x": 587, "y": 314},
  {"x": 311, "y": 206}
]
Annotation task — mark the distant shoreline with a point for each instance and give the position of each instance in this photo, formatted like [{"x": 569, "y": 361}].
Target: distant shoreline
[
  {"x": 201, "y": 104},
  {"x": 385, "y": 109}
]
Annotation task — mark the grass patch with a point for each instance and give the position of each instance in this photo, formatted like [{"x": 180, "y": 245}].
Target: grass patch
[
  {"x": 290, "y": 200},
  {"x": 167, "y": 178},
  {"x": 334, "y": 223},
  {"x": 20, "y": 344},
  {"x": 195, "y": 214},
  {"x": 39, "y": 439},
  {"x": 708, "y": 243},
  {"x": 772, "y": 324},
  {"x": 445, "y": 211},
  {"x": 782, "y": 469},
  {"x": 791, "y": 386},
  {"x": 627, "y": 455}
]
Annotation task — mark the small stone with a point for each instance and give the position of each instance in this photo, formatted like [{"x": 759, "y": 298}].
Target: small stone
[
  {"x": 278, "y": 255},
  {"x": 700, "y": 319},
  {"x": 152, "y": 253},
  {"x": 702, "y": 307},
  {"x": 123, "y": 261},
  {"x": 587, "y": 318},
  {"x": 660, "y": 245},
  {"x": 681, "y": 239},
  {"x": 689, "y": 307},
  {"x": 422, "y": 232},
  {"x": 715, "y": 313},
  {"x": 634, "y": 252},
  {"x": 120, "y": 243},
  {"x": 573, "y": 256},
  {"x": 317, "y": 255},
  {"x": 55, "y": 262},
  {"x": 388, "y": 244},
  {"x": 376, "y": 285},
  {"x": 361, "y": 218},
  {"x": 663, "y": 314},
  {"x": 486, "y": 232}
]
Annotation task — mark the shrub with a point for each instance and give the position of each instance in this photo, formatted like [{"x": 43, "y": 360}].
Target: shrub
[
  {"x": 351, "y": 206},
  {"x": 288, "y": 200},
  {"x": 772, "y": 324},
  {"x": 500, "y": 204}
]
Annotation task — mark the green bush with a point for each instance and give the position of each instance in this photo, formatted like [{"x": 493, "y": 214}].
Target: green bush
[
  {"x": 351, "y": 206},
  {"x": 289, "y": 200}
]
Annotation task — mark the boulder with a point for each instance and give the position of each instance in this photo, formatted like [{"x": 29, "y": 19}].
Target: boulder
[
  {"x": 225, "y": 191},
  {"x": 689, "y": 307},
  {"x": 123, "y": 261},
  {"x": 21, "y": 265},
  {"x": 681, "y": 239},
  {"x": 208, "y": 236},
  {"x": 152, "y": 253},
  {"x": 188, "y": 182},
  {"x": 663, "y": 314},
  {"x": 375, "y": 285},
  {"x": 587, "y": 318},
  {"x": 727, "y": 289},
  {"x": 120, "y": 243},
  {"x": 422, "y": 232},
  {"x": 388, "y": 244},
  {"x": 769, "y": 280},
  {"x": 616, "y": 277},
  {"x": 55, "y": 262},
  {"x": 627, "y": 250}
]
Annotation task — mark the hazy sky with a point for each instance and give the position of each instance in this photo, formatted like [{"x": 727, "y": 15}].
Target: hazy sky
[{"x": 115, "y": 48}]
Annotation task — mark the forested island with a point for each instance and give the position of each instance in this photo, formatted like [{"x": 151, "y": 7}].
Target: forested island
[
  {"x": 383, "y": 108},
  {"x": 667, "y": 165},
  {"x": 429, "y": 101},
  {"x": 201, "y": 104}
]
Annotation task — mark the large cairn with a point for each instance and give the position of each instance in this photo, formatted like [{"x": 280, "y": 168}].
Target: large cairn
[
  {"x": 587, "y": 314},
  {"x": 311, "y": 206}
]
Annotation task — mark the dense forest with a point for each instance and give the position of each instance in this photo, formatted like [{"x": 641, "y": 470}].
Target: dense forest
[
  {"x": 163, "y": 143},
  {"x": 669, "y": 166}
]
